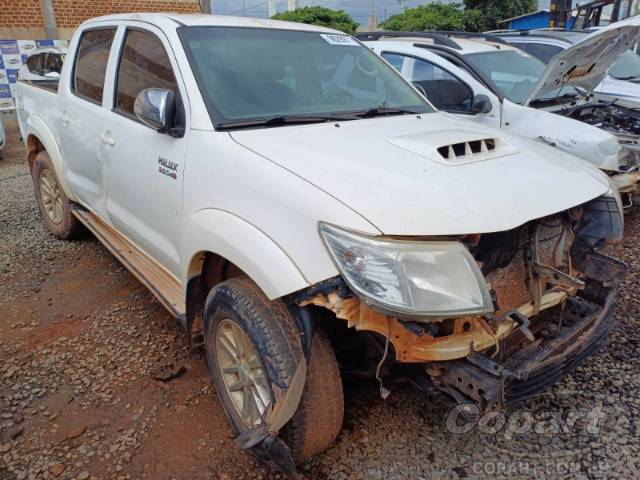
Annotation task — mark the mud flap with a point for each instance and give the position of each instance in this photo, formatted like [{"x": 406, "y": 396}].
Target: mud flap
[{"x": 262, "y": 440}]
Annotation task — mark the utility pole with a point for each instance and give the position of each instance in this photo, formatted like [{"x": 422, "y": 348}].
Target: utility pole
[
  {"x": 291, "y": 5},
  {"x": 272, "y": 8},
  {"x": 244, "y": 8},
  {"x": 206, "y": 6},
  {"x": 49, "y": 19},
  {"x": 373, "y": 21}
]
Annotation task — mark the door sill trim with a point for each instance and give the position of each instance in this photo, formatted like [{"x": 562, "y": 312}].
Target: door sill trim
[{"x": 163, "y": 285}]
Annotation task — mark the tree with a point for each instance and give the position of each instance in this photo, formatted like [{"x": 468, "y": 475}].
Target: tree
[
  {"x": 481, "y": 15},
  {"x": 433, "y": 16},
  {"x": 338, "y": 19}
]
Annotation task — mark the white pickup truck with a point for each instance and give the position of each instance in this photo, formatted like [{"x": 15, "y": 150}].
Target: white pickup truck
[{"x": 282, "y": 190}]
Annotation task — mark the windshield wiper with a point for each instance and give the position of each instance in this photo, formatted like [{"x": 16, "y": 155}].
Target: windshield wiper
[
  {"x": 631, "y": 78},
  {"x": 565, "y": 96},
  {"x": 381, "y": 111},
  {"x": 279, "y": 120}
]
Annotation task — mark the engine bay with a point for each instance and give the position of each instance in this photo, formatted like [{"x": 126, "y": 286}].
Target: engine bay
[{"x": 619, "y": 120}]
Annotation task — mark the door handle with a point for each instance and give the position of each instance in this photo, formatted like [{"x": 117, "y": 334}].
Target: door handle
[
  {"x": 107, "y": 140},
  {"x": 64, "y": 119}
]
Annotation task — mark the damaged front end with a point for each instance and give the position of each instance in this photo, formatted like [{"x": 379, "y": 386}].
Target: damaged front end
[
  {"x": 549, "y": 295},
  {"x": 623, "y": 122}
]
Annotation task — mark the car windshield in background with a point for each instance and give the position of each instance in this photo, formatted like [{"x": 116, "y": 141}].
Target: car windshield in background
[
  {"x": 627, "y": 67},
  {"x": 253, "y": 76},
  {"x": 514, "y": 72}
]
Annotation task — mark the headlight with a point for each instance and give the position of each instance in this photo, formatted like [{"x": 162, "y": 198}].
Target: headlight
[{"x": 439, "y": 279}]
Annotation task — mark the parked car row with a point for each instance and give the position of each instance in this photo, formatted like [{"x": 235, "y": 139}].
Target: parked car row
[
  {"x": 306, "y": 213},
  {"x": 492, "y": 83}
]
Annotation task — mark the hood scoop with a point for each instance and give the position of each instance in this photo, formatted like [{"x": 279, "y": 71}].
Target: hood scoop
[
  {"x": 454, "y": 147},
  {"x": 467, "y": 149}
]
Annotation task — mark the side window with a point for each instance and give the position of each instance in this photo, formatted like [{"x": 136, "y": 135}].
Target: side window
[
  {"x": 91, "y": 63},
  {"x": 540, "y": 51},
  {"x": 143, "y": 64},
  {"x": 394, "y": 59},
  {"x": 445, "y": 91}
]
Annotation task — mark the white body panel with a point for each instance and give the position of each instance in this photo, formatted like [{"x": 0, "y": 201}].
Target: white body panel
[
  {"x": 585, "y": 141},
  {"x": 256, "y": 196}
]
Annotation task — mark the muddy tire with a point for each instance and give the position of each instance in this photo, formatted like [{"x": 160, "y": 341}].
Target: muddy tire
[
  {"x": 54, "y": 206},
  {"x": 318, "y": 420},
  {"x": 238, "y": 313}
]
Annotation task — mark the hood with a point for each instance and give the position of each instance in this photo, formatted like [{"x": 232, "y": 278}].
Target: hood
[
  {"x": 430, "y": 175},
  {"x": 585, "y": 64},
  {"x": 590, "y": 143}
]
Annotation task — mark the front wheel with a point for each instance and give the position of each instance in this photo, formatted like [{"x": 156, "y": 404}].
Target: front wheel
[
  {"x": 253, "y": 347},
  {"x": 54, "y": 206}
]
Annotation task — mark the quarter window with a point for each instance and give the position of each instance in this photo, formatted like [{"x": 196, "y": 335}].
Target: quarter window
[
  {"x": 394, "y": 59},
  {"x": 143, "y": 64},
  {"x": 91, "y": 63}
]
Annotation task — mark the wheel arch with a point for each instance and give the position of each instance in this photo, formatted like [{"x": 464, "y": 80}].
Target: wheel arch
[
  {"x": 40, "y": 138},
  {"x": 221, "y": 245}
]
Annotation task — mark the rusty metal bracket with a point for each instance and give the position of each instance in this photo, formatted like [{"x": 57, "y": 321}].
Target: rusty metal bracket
[
  {"x": 557, "y": 277},
  {"x": 523, "y": 324},
  {"x": 487, "y": 364}
]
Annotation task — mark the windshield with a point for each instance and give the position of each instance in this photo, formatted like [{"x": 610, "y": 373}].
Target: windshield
[
  {"x": 627, "y": 67},
  {"x": 513, "y": 72},
  {"x": 249, "y": 74}
]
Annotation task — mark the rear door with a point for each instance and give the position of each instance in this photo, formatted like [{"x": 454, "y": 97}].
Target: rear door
[
  {"x": 143, "y": 168},
  {"x": 81, "y": 112}
]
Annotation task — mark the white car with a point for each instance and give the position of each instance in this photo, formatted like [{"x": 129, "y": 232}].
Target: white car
[
  {"x": 622, "y": 81},
  {"x": 43, "y": 64},
  {"x": 480, "y": 78},
  {"x": 281, "y": 190}
]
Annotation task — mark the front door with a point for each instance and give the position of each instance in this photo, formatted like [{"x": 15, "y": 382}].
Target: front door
[{"x": 143, "y": 168}]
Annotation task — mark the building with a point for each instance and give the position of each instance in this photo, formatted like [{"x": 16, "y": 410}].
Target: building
[
  {"x": 57, "y": 19},
  {"x": 529, "y": 21}
]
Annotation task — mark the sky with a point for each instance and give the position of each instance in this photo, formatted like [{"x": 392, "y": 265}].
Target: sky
[{"x": 358, "y": 9}]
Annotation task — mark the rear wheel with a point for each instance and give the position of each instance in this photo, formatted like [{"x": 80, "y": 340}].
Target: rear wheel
[
  {"x": 54, "y": 206},
  {"x": 253, "y": 347}
]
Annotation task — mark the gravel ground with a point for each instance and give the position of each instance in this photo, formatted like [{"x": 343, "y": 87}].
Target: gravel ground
[{"x": 85, "y": 351}]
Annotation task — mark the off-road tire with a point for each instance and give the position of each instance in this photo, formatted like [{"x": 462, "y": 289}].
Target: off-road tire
[
  {"x": 272, "y": 330},
  {"x": 69, "y": 227}
]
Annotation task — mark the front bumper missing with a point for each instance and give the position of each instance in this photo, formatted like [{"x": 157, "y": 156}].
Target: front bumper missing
[
  {"x": 627, "y": 182},
  {"x": 509, "y": 379},
  {"x": 470, "y": 334}
]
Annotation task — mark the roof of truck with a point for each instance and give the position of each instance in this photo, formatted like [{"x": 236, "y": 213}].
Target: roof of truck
[{"x": 213, "y": 20}]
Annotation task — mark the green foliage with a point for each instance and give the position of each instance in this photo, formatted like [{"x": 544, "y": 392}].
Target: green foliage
[
  {"x": 433, "y": 16},
  {"x": 477, "y": 16},
  {"x": 484, "y": 15},
  {"x": 338, "y": 19}
]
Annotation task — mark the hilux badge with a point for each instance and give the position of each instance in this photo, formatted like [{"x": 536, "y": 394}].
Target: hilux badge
[{"x": 167, "y": 167}]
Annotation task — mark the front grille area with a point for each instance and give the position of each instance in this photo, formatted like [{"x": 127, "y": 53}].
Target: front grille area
[{"x": 511, "y": 282}]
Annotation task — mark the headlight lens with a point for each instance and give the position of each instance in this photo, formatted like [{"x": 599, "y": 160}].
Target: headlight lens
[{"x": 439, "y": 279}]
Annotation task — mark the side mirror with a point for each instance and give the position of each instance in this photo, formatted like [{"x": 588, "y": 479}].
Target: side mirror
[
  {"x": 481, "y": 104},
  {"x": 156, "y": 108}
]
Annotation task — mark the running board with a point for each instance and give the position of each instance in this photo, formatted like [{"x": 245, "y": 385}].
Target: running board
[{"x": 162, "y": 284}]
